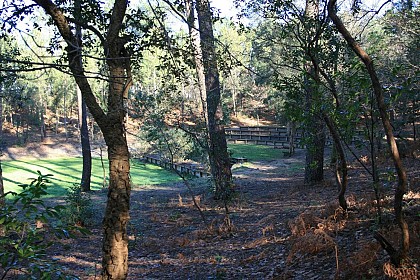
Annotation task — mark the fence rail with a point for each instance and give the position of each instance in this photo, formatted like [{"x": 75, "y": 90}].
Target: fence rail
[
  {"x": 276, "y": 136},
  {"x": 184, "y": 169},
  {"x": 263, "y": 135}
]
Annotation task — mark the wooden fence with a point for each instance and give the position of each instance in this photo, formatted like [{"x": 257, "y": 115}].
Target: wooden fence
[
  {"x": 182, "y": 168},
  {"x": 263, "y": 135},
  {"x": 276, "y": 136}
]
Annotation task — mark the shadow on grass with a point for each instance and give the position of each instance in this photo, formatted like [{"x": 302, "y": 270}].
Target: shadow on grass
[{"x": 67, "y": 171}]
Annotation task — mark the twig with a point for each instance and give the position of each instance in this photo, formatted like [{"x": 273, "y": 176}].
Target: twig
[{"x": 337, "y": 272}]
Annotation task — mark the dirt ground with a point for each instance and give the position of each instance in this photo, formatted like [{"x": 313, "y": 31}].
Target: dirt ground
[{"x": 278, "y": 228}]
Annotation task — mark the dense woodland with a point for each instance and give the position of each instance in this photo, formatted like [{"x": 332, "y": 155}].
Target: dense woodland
[{"x": 177, "y": 81}]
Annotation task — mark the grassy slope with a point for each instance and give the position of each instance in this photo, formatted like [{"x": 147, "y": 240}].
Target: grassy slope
[{"x": 67, "y": 171}]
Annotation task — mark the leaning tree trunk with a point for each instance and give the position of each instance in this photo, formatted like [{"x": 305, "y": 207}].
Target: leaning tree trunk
[
  {"x": 341, "y": 178},
  {"x": 401, "y": 189},
  {"x": 115, "y": 240},
  {"x": 218, "y": 156}
]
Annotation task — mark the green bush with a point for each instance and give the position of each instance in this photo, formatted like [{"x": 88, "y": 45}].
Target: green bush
[
  {"x": 171, "y": 142},
  {"x": 27, "y": 229},
  {"x": 79, "y": 209}
]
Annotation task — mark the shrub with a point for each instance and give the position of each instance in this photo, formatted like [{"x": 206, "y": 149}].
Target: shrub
[
  {"x": 27, "y": 229},
  {"x": 79, "y": 210}
]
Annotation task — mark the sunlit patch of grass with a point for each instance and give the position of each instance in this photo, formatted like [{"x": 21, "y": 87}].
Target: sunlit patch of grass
[
  {"x": 255, "y": 152},
  {"x": 243, "y": 166},
  {"x": 67, "y": 171}
]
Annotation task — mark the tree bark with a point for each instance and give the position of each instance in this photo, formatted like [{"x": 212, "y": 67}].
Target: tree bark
[
  {"x": 218, "y": 156},
  {"x": 314, "y": 159},
  {"x": 291, "y": 131},
  {"x": 84, "y": 140},
  {"x": 116, "y": 218},
  {"x": 377, "y": 90},
  {"x": 65, "y": 116},
  {"x": 115, "y": 239},
  {"x": 83, "y": 127},
  {"x": 315, "y": 128},
  {"x": 194, "y": 36},
  {"x": 343, "y": 178},
  {"x": 2, "y": 199}
]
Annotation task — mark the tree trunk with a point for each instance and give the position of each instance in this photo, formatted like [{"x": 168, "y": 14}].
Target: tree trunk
[
  {"x": 235, "y": 112},
  {"x": 115, "y": 240},
  {"x": 314, "y": 160},
  {"x": 65, "y": 115},
  {"x": 57, "y": 116},
  {"x": 314, "y": 133},
  {"x": 84, "y": 140},
  {"x": 291, "y": 131},
  {"x": 377, "y": 90},
  {"x": 341, "y": 179},
  {"x": 194, "y": 35},
  {"x": 43, "y": 132},
  {"x": 371, "y": 128},
  {"x": 414, "y": 121},
  {"x": 2, "y": 199},
  {"x": 315, "y": 127},
  {"x": 218, "y": 156},
  {"x": 84, "y": 131}
]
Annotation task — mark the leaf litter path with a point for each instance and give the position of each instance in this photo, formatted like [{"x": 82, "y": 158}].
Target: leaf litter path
[{"x": 168, "y": 240}]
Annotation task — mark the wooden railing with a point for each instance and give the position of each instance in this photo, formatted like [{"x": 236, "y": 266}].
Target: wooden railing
[
  {"x": 276, "y": 136},
  {"x": 263, "y": 135},
  {"x": 184, "y": 169}
]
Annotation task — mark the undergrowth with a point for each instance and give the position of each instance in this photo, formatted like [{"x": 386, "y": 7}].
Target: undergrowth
[
  {"x": 28, "y": 228},
  {"x": 346, "y": 237}
]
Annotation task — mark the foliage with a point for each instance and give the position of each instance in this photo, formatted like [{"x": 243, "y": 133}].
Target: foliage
[
  {"x": 166, "y": 115},
  {"x": 29, "y": 227},
  {"x": 171, "y": 143},
  {"x": 78, "y": 210}
]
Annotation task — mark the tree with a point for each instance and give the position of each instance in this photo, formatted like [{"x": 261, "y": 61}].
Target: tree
[
  {"x": 217, "y": 147},
  {"x": 194, "y": 36},
  {"x": 396, "y": 40},
  {"x": 84, "y": 140},
  {"x": 111, "y": 123},
  {"x": 7, "y": 51},
  {"x": 396, "y": 256},
  {"x": 303, "y": 57},
  {"x": 84, "y": 131},
  {"x": 314, "y": 128}
]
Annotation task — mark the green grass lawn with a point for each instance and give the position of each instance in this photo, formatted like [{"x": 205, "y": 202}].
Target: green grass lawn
[
  {"x": 67, "y": 171},
  {"x": 255, "y": 152}
]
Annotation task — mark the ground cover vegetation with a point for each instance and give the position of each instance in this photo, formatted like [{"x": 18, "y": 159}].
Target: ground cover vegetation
[{"x": 87, "y": 88}]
